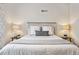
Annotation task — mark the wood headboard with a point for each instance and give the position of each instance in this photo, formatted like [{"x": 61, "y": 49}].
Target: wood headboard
[{"x": 53, "y": 24}]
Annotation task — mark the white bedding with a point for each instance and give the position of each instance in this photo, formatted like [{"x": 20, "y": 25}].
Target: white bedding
[
  {"x": 40, "y": 45},
  {"x": 41, "y": 40}
]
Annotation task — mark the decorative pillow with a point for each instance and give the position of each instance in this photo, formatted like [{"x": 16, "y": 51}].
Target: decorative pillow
[
  {"x": 32, "y": 30},
  {"x": 42, "y": 33},
  {"x": 48, "y": 28}
]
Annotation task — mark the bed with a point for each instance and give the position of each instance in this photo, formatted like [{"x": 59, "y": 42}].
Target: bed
[{"x": 40, "y": 45}]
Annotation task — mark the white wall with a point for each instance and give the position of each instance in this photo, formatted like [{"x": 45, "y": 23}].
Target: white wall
[
  {"x": 3, "y": 30},
  {"x": 32, "y": 12}
]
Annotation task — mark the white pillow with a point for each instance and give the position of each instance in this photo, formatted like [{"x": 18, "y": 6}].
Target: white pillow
[
  {"x": 48, "y": 28},
  {"x": 32, "y": 29}
]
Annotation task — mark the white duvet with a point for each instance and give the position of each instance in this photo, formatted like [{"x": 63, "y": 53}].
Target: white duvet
[{"x": 40, "y": 45}]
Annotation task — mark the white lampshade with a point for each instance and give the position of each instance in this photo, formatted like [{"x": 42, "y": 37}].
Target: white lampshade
[{"x": 67, "y": 27}]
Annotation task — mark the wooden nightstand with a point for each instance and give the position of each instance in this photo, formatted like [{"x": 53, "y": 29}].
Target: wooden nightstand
[{"x": 16, "y": 37}]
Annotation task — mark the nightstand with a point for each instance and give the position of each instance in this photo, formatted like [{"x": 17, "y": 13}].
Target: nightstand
[
  {"x": 67, "y": 38},
  {"x": 16, "y": 37}
]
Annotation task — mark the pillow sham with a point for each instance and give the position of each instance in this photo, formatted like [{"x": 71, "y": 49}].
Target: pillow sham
[
  {"x": 48, "y": 28},
  {"x": 32, "y": 30}
]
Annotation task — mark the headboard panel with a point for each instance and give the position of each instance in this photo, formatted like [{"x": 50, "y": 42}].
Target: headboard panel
[{"x": 53, "y": 24}]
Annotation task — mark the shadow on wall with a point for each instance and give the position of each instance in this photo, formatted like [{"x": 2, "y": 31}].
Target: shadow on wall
[{"x": 75, "y": 31}]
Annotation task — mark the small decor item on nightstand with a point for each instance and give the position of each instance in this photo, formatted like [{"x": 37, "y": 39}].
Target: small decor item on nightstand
[
  {"x": 16, "y": 37},
  {"x": 65, "y": 36}
]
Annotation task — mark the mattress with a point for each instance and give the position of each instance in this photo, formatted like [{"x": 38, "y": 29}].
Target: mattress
[{"x": 40, "y": 45}]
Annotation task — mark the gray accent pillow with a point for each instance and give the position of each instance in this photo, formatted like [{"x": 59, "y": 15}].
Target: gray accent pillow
[{"x": 42, "y": 33}]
